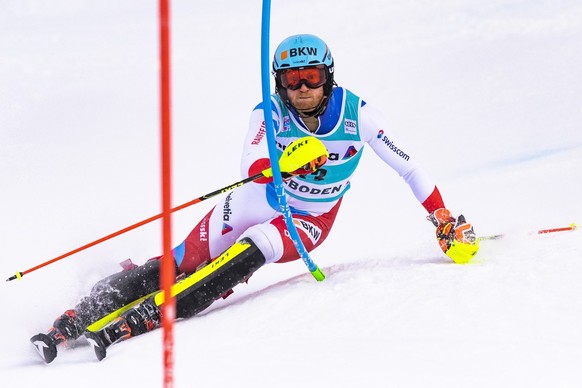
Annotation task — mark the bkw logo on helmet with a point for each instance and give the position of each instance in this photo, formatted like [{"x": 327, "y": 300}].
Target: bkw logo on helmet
[
  {"x": 302, "y": 50},
  {"x": 293, "y": 52}
]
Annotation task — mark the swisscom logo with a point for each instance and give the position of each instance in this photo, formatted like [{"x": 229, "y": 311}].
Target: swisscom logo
[{"x": 392, "y": 146}]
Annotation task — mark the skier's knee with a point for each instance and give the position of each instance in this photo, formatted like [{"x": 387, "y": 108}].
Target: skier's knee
[
  {"x": 267, "y": 239},
  {"x": 232, "y": 267}
]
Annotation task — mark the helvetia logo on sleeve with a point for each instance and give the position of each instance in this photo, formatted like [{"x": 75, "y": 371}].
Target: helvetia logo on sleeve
[
  {"x": 226, "y": 212},
  {"x": 226, "y": 228}
]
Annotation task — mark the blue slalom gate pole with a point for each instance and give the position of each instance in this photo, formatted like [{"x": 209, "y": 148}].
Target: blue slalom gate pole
[{"x": 277, "y": 180}]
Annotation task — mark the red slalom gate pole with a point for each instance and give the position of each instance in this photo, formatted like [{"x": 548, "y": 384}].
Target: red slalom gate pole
[{"x": 168, "y": 275}]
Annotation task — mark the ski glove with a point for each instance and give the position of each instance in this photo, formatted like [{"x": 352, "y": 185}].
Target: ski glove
[
  {"x": 308, "y": 168},
  {"x": 303, "y": 156},
  {"x": 456, "y": 237}
]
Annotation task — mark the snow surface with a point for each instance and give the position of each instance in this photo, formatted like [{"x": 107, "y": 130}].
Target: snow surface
[{"x": 486, "y": 93}]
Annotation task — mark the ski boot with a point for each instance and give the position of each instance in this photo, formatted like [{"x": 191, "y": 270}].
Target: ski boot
[
  {"x": 66, "y": 327},
  {"x": 140, "y": 319}
]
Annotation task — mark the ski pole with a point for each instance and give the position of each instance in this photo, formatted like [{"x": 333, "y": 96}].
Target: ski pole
[
  {"x": 304, "y": 151},
  {"x": 571, "y": 227},
  {"x": 233, "y": 186}
]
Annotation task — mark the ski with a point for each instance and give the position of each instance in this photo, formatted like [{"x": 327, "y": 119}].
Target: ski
[
  {"x": 101, "y": 334},
  {"x": 106, "y": 320},
  {"x": 207, "y": 280},
  {"x": 177, "y": 288},
  {"x": 45, "y": 346},
  {"x": 99, "y": 343}
]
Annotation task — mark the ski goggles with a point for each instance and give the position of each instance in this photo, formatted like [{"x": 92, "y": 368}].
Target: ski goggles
[{"x": 312, "y": 77}]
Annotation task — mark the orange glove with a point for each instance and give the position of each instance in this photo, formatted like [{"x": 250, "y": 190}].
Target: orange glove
[{"x": 456, "y": 237}]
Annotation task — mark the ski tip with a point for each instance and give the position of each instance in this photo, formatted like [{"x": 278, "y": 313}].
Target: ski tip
[
  {"x": 45, "y": 347},
  {"x": 97, "y": 343}
]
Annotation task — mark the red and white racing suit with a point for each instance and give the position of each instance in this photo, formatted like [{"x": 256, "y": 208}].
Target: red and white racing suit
[{"x": 346, "y": 126}]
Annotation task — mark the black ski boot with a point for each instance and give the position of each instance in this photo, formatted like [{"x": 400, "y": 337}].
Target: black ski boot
[
  {"x": 194, "y": 294},
  {"x": 140, "y": 319},
  {"x": 66, "y": 327}
]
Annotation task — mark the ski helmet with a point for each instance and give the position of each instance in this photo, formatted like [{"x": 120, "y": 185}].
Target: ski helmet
[{"x": 299, "y": 51}]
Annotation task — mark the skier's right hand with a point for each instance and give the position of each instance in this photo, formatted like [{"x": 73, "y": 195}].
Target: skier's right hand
[
  {"x": 308, "y": 168},
  {"x": 303, "y": 156}
]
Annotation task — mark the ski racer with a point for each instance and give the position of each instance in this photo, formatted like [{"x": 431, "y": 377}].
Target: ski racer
[{"x": 245, "y": 229}]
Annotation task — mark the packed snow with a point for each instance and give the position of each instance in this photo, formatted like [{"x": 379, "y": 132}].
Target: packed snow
[{"x": 485, "y": 93}]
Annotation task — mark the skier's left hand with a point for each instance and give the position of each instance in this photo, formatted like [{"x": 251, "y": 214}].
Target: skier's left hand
[{"x": 455, "y": 236}]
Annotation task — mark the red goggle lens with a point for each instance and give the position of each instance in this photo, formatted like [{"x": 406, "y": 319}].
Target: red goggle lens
[{"x": 312, "y": 77}]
